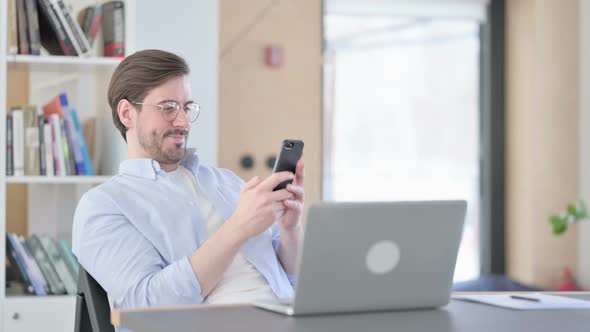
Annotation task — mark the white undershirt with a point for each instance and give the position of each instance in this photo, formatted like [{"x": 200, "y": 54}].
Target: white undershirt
[{"x": 241, "y": 282}]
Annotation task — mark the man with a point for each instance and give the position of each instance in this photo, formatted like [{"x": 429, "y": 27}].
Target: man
[{"x": 168, "y": 230}]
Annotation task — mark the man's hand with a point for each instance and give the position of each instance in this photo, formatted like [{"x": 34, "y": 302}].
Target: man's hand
[
  {"x": 294, "y": 205},
  {"x": 259, "y": 207}
]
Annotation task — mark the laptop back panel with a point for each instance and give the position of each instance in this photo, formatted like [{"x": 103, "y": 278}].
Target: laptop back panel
[{"x": 378, "y": 256}]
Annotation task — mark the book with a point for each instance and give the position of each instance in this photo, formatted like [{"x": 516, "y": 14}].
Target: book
[
  {"x": 31, "y": 128},
  {"x": 72, "y": 137},
  {"x": 9, "y": 151},
  {"x": 56, "y": 138},
  {"x": 12, "y": 28},
  {"x": 65, "y": 146},
  {"x": 37, "y": 277},
  {"x": 91, "y": 20},
  {"x": 90, "y": 133},
  {"x": 70, "y": 259},
  {"x": 113, "y": 28},
  {"x": 56, "y": 286},
  {"x": 53, "y": 107},
  {"x": 55, "y": 6},
  {"x": 49, "y": 160},
  {"x": 18, "y": 263},
  {"x": 37, "y": 283},
  {"x": 18, "y": 141},
  {"x": 59, "y": 264},
  {"x": 33, "y": 27},
  {"x": 79, "y": 37},
  {"x": 21, "y": 19},
  {"x": 53, "y": 34},
  {"x": 87, "y": 164},
  {"x": 41, "y": 150},
  {"x": 85, "y": 17}
]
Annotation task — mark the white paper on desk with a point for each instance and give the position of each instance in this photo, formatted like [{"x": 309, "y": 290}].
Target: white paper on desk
[{"x": 545, "y": 301}]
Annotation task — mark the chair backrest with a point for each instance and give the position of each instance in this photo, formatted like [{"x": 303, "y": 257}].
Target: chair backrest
[{"x": 93, "y": 313}]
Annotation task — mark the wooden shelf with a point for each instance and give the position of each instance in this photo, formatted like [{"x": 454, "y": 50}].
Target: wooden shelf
[{"x": 57, "y": 179}]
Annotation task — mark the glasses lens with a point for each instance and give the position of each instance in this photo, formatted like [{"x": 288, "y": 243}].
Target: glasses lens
[
  {"x": 193, "y": 110},
  {"x": 169, "y": 110}
]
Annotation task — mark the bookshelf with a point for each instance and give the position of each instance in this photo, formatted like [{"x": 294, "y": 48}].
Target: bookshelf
[{"x": 49, "y": 203}]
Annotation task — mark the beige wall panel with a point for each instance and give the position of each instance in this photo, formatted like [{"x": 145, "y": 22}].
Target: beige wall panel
[
  {"x": 16, "y": 194},
  {"x": 237, "y": 17},
  {"x": 542, "y": 117},
  {"x": 519, "y": 46},
  {"x": 261, "y": 106}
]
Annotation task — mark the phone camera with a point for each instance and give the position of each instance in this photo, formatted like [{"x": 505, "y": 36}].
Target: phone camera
[{"x": 289, "y": 145}]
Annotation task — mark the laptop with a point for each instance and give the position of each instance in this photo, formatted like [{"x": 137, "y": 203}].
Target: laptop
[{"x": 378, "y": 256}]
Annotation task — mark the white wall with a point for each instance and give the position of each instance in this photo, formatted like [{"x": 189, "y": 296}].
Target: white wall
[
  {"x": 584, "y": 233},
  {"x": 190, "y": 29}
]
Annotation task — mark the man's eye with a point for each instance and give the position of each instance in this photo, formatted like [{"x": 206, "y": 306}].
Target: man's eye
[{"x": 169, "y": 108}]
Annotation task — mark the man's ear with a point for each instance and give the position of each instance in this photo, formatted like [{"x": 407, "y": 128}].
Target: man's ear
[{"x": 126, "y": 113}]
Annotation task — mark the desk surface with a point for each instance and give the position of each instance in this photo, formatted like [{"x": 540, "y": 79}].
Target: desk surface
[{"x": 458, "y": 316}]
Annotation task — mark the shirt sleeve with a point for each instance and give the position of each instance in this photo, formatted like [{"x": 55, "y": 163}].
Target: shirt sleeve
[{"x": 124, "y": 262}]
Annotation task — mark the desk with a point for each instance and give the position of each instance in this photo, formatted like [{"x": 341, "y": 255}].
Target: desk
[{"x": 458, "y": 316}]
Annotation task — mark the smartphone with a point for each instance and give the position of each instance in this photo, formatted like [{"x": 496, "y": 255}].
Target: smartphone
[{"x": 289, "y": 155}]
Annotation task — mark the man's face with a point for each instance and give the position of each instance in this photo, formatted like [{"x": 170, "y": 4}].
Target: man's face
[{"x": 164, "y": 140}]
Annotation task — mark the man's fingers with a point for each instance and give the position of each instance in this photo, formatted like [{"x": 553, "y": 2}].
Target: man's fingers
[
  {"x": 272, "y": 181},
  {"x": 300, "y": 172},
  {"x": 281, "y": 195},
  {"x": 278, "y": 207},
  {"x": 293, "y": 204},
  {"x": 252, "y": 183},
  {"x": 297, "y": 191}
]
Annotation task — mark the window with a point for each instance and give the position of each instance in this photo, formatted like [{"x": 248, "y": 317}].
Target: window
[{"x": 401, "y": 114}]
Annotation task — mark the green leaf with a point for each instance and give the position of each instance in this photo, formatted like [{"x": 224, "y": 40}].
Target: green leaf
[
  {"x": 559, "y": 224},
  {"x": 571, "y": 209}
]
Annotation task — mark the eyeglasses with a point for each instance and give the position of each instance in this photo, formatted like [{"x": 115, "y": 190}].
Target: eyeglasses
[{"x": 170, "y": 110}]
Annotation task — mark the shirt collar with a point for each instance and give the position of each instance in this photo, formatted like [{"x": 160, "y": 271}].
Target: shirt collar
[{"x": 149, "y": 168}]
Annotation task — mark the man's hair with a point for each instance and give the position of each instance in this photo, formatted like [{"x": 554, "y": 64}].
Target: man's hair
[{"x": 140, "y": 73}]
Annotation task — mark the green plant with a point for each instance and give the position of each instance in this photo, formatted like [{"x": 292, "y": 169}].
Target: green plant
[{"x": 573, "y": 213}]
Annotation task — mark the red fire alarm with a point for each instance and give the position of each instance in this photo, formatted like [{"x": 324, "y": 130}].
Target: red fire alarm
[{"x": 274, "y": 56}]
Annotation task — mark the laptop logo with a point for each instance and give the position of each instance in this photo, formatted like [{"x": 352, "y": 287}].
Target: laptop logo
[{"x": 382, "y": 257}]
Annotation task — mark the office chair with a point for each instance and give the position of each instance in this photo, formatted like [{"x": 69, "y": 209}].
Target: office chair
[{"x": 93, "y": 313}]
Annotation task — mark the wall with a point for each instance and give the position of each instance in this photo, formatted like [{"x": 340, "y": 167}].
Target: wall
[
  {"x": 191, "y": 32},
  {"x": 260, "y": 106},
  {"x": 542, "y": 136},
  {"x": 584, "y": 148},
  {"x": 16, "y": 194}
]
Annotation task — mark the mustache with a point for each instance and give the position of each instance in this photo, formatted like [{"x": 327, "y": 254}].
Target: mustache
[{"x": 182, "y": 132}]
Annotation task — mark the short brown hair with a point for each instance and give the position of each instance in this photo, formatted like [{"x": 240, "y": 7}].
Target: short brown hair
[{"x": 138, "y": 74}]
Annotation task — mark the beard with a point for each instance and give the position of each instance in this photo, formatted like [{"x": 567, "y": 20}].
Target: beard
[{"x": 152, "y": 143}]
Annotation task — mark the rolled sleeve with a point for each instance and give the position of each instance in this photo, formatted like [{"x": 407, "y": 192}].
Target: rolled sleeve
[{"x": 124, "y": 262}]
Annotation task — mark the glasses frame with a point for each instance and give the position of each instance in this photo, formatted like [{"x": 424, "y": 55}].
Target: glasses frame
[{"x": 178, "y": 106}]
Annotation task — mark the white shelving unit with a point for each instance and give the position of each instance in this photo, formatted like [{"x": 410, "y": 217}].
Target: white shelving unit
[
  {"x": 52, "y": 200},
  {"x": 192, "y": 33}
]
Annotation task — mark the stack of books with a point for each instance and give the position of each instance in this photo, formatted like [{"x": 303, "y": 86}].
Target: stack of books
[
  {"x": 50, "y": 24},
  {"x": 51, "y": 142},
  {"x": 40, "y": 265}
]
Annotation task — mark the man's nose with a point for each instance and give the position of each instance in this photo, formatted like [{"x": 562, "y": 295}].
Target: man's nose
[{"x": 181, "y": 119}]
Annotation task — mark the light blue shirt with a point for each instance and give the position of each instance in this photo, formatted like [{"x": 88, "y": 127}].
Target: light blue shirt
[{"x": 135, "y": 232}]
